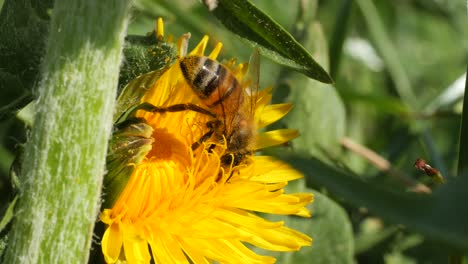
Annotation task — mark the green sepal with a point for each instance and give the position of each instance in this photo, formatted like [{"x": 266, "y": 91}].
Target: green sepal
[
  {"x": 144, "y": 54},
  {"x": 146, "y": 59},
  {"x": 133, "y": 92},
  {"x": 127, "y": 148}
]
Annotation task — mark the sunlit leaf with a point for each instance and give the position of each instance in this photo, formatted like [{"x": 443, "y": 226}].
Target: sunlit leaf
[{"x": 250, "y": 23}]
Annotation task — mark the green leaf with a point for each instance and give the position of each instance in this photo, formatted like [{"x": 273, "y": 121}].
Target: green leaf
[
  {"x": 318, "y": 112},
  {"x": 9, "y": 214},
  {"x": 383, "y": 103},
  {"x": 398, "y": 258},
  {"x": 440, "y": 216},
  {"x": 246, "y": 20},
  {"x": 13, "y": 94},
  {"x": 23, "y": 33},
  {"x": 6, "y": 219},
  {"x": 6, "y": 158},
  {"x": 364, "y": 242}
]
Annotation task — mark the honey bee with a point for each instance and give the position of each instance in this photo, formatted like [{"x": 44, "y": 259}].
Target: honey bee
[
  {"x": 229, "y": 103},
  {"x": 232, "y": 102}
]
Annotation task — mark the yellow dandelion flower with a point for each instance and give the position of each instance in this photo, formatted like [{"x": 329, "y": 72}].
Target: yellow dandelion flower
[{"x": 185, "y": 206}]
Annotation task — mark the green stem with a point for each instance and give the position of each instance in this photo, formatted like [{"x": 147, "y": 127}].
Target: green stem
[{"x": 65, "y": 156}]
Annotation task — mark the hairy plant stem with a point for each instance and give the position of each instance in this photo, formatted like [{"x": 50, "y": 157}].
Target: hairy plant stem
[{"x": 64, "y": 159}]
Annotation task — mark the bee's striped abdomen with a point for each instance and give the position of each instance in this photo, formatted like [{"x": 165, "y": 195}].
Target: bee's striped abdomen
[{"x": 213, "y": 83}]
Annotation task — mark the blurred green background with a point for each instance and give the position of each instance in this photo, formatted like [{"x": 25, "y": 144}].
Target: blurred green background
[{"x": 398, "y": 69}]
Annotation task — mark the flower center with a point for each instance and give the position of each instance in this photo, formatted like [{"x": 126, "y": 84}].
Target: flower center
[{"x": 166, "y": 146}]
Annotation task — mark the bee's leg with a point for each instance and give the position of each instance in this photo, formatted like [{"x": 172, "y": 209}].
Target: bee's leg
[
  {"x": 212, "y": 126},
  {"x": 211, "y": 148},
  {"x": 204, "y": 138},
  {"x": 156, "y": 109},
  {"x": 230, "y": 175},
  {"x": 234, "y": 159},
  {"x": 176, "y": 108}
]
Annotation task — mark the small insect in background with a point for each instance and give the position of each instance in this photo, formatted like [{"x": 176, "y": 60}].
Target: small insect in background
[{"x": 434, "y": 173}]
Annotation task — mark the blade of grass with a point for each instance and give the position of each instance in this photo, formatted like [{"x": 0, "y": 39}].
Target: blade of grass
[
  {"x": 338, "y": 36},
  {"x": 463, "y": 152},
  {"x": 388, "y": 52}
]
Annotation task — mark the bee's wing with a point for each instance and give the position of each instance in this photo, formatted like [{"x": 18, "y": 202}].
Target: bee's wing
[
  {"x": 251, "y": 81},
  {"x": 246, "y": 101}
]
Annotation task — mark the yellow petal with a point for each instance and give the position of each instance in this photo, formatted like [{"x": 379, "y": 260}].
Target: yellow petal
[
  {"x": 281, "y": 239},
  {"x": 224, "y": 250},
  {"x": 160, "y": 28},
  {"x": 194, "y": 252},
  {"x": 112, "y": 243},
  {"x": 270, "y": 170},
  {"x": 264, "y": 97},
  {"x": 304, "y": 212},
  {"x": 182, "y": 44},
  {"x": 200, "y": 48},
  {"x": 215, "y": 52},
  {"x": 275, "y": 138},
  {"x": 272, "y": 113},
  {"x": 136, "y": 251},
  {"x": 166, "y": 249}
]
